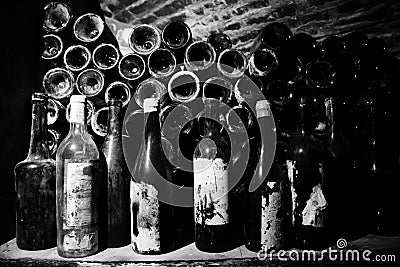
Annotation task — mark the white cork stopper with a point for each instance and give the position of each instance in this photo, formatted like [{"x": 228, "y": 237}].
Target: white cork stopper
[
  {"x": 77, "y": 114},
  {"x": 150, "y": 105},
  {"x": 263, "y": 109}
]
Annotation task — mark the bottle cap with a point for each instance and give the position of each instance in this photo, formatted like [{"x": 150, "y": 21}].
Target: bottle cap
[
  {"x": 263, "y": 108},
  {"x": 150, "y": 105},
  {"x": 78, "y": 99}
]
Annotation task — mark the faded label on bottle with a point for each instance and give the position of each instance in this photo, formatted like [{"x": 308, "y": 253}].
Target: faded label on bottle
[
  {"x": 210, "y": 191},
  {"x": 314, "y": 210},
  {"x": 80, "y": 194},
  {"x": 292, "y": 172},
  {"x": 148, "y": 217},
  {"x": 72, "y": 241},
  {"x": 273, "y": 216}
]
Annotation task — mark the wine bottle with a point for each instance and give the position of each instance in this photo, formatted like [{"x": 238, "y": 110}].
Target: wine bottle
[
  {"x": 144, "y": 39},
  {"x": 57, "y": 16},
  {"x": 78, "y": 181},
  {"x": 304, "y": 47},
  {"x": 268, "y": 207},
  {"x": 53, "y": 47},
  {"x": 118, "y": 90},
  {"x": 90, "y": 82},
  {"x": 149, "y": 88},
  {"x": 58, "y": 83},
  {"x": 219, "y": 89},
  {"x": 219, "y": 41},
  {"x": 184, "y": 86},
  {"x": 263, "y": 62},
  {"x": 232, "y": 63},
  {"x": 161, "y": 63},
  {"x": 118, "y": 182},
  {"x": 105, "y": 56},
  {"x": 131, "y": 67},
  {"x": 35, "y": 186},
  {"x": 211, "y": 204},
  {"x": 304, "y": 163},
  {"x": 88, "y": 27},
  {"x": 273, "y": 36},
  {"x": 177, "y": 36},
  {"x": 76, "y": 57},
  {"x": 152, "y": 219},
  {"x": 200, "y": 58}
]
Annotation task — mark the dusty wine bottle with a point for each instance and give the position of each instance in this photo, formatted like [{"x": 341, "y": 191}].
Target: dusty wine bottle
[
  {"x": 268, "y": 222},
  {"x": 57, "y": 16},
  {"x": 219, "y": 41},
  {"x": 273, "y": 36},
  {"x": 88, "y": 27},
  {"x": 131, "y": 67},
  {"x": 118, "y": 180},
  {"x": 232, "y": 63},
  {"x": 53, "y": 46},
  {"x": 211, "y": 205},
  {"x": 144, "y": 39},
  {"x": 35, "y": 186},
  {"x": 152, "y": 219},
  {"x": 76, "y": 57},
  {"x": 177, "y": 36},
  {"x": 105, "y": 56},
  {"x": 58, "y": 83},
  {"x": 78, "y": 183},
  {"x": 161, "y": 63}
]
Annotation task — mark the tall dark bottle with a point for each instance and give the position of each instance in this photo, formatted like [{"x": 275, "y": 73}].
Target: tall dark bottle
[
  {"x": 268, "y": 207},
  {"x": 152, "y": 214},
  {"x": 35, "y": 186},
  {"x": 78, "y": 182},
  {"x": 211, "y": 174},
  {"x": 118, "y": 180},
  {"x": 304, "y": 161}
]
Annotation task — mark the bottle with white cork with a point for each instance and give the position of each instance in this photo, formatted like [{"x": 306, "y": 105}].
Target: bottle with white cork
[{"x": 78, "y": 183}]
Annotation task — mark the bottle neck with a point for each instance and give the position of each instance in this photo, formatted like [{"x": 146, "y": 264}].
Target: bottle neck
[
  {"x": 77, "y": 118},
  {"x": 152, "y": 128},
  {"x": 38, "y": 148},
  {"x": 114, "y": 118},
  {"x": 301, "y": 107},
  {"x": 211, "y": 113}
]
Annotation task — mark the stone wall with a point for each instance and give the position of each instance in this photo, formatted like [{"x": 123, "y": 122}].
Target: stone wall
[{"x": 242, "y": 19}]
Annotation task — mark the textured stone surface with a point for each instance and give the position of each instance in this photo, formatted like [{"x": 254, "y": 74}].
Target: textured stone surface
[{"x": 242, "y": 19}]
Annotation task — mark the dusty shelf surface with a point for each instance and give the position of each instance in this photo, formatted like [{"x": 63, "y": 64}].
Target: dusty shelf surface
[{"x": 189, "y": 255}]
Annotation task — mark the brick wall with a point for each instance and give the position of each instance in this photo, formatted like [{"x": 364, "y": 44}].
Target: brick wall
[{"x": 242, "y": 19}]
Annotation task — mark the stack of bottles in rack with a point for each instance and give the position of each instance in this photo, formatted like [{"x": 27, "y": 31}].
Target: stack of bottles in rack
[{"x": 293, "y": 145}]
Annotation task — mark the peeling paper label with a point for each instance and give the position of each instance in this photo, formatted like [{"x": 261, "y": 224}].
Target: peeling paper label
[
  {"x": 80, "y": 195},
  {"x": 73, "y": 242},
  {"x": 313, "y": 212},
  {"x": 148, "y": 218},
  {"x": 290, "y": 164},
  {"x": 210, "y": 191}
]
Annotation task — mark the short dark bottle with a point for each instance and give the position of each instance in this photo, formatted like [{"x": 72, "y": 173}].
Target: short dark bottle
[
  {"x": 304, "y": 162},
  {"x": 35, "y": 184},
  {"x": 118, "y": 180}
]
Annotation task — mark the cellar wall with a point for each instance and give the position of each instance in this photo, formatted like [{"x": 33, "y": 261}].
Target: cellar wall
[{"x": 242, "y": 19}]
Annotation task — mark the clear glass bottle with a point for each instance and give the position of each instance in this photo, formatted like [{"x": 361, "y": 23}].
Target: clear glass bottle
[
  {"x": 152, "y": 219},
  {"x": 78, "y": 181},
  {"x": 211, "y": 174},
  {"x": 35, "y": 186},
  {"x": 118, "y": 180}
]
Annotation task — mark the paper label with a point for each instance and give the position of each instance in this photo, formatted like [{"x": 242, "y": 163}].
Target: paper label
[
  {"x": 292, "y": 172},
  {"x": 72, "y": 241},
  {"x": 210, "y": 191},
  {"x": 80, "y": 194},
  {"x": 148, "y": 217},
  {"x": 313, "y": 212}
]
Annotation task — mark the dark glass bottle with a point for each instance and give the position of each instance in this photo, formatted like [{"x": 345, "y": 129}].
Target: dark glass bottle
[
  {"x": 268, "y": 207},
  {"x": 220, "y": 41},
  {"x": 35, "y": 186},
  {"x": 274, "y": 36},
  {"x": 304, "y": 47},
  {"x": 304, "y": 162},
  {"x": 263, "y": 63},
  {"x": 210, "y": 162},
  {"x": 161, "y": 63},
  {"x": 232, "y": 63},
  {"x": 118, "y": 180},
  {"x": 177, "y": 36},
  {"x": 144, "y": 39},
  {"x": 152, "y": 219},
  {"x": 78, "y": 187}
]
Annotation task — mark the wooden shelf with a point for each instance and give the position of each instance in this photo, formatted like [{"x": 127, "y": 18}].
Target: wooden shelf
[{"x": 10, "y": 255}]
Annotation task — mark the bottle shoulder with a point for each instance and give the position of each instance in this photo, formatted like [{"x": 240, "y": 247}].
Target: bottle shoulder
[
  {"x": 76, "y": 146},
  {"x": 35, "y": 164}
]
